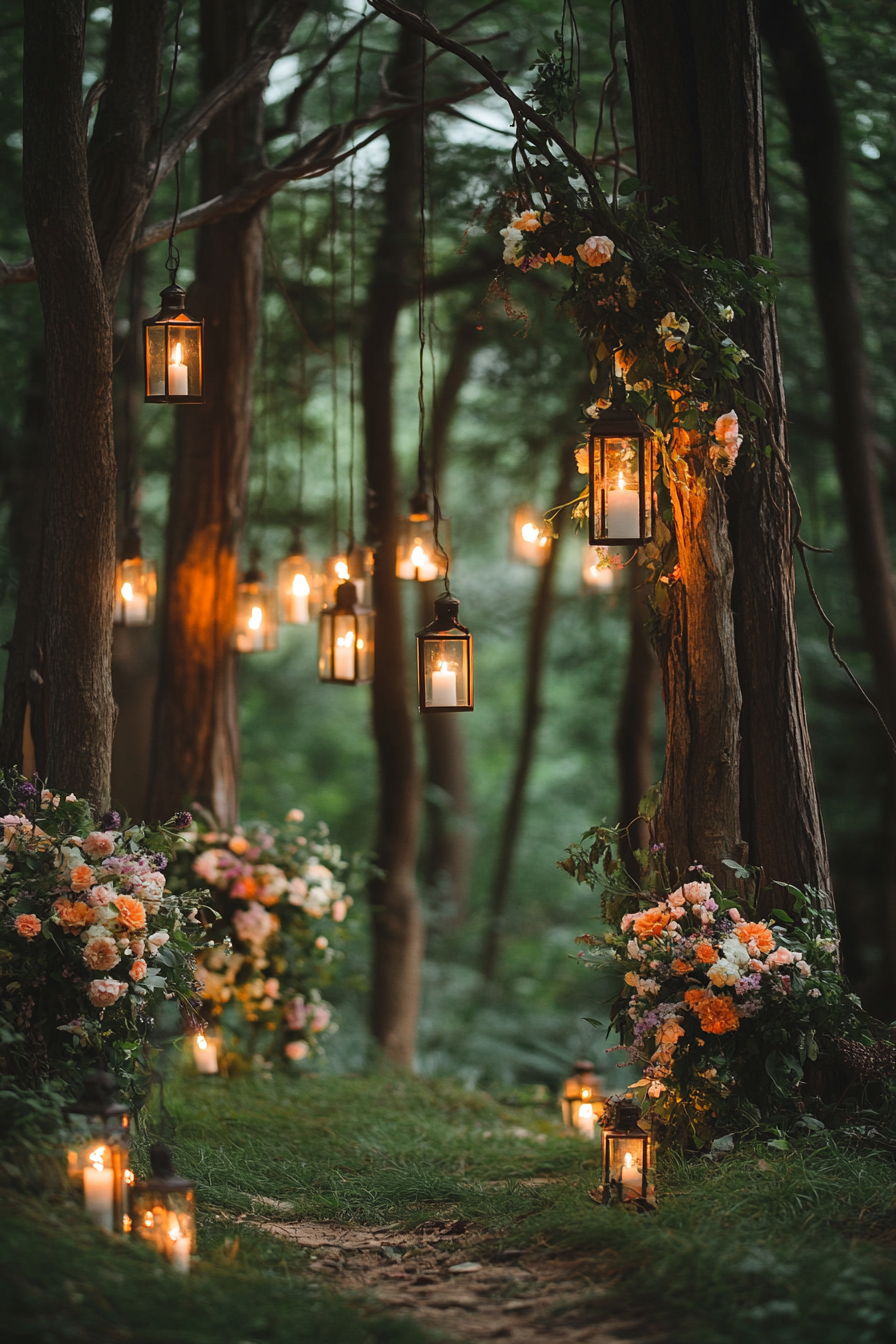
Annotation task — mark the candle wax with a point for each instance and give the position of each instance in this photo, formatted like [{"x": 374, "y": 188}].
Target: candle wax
[
  {"x": 206, "y": 1060},
  {"x": 623, "y": 514},
  {"x": 344, "y": 660},
  {"x": 99, "y": 1195},
  {"x": 180, "y": 1255},
  {"x": 444, "y": 688},
  {"x": 585, "y": 1120},
  {"x": 135, "y": 609},
  {"x": 178, "y": 382}
]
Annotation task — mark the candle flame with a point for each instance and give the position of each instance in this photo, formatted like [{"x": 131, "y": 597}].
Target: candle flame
[
  {"x": 300, "y": 586},
  {"x": 125, "y": 1223},
  {"x": 586, "y": 1111},
  {"x": 628, "y": 1161},
  {"x": 201, "y": 1042},
  {"x": 347, "y": 640},
  {"x": 128, "y": 1176},
  {"x": 621, "y": 481},
  {"x": 256, "y": 618},
  {"x": 342, "y": 571},
  {"x": 443, "y": 666},
  {"x": 586, "y": 1093},
  {"x": 360, "y": 643},
  {"x": 529, "y": 532},
  {"x": 177, "y": 357},
  {"x": 147, "y": 1220},
  {"x": 96, "y": 1158},
  {"x": 127, "y": 592},
  {"x": 419, "y": 557},
  {"x": 173, "y": 1227}
]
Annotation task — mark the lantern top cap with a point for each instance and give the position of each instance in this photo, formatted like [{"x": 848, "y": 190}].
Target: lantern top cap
[
  {"x": 583, "y": 1066},
  {"x": 624, "y": 1114},
  {"x": 358, "y": 558},
  {"x": 164, "y": 1177},
  {"x": 446, "y": 609},
  {"x": 174, "y": 298},
  {"x": 618, "y": 420},
  {"x": 132, "y": 545},
  {"x": 96, "y": 1097},
  {"x": 346, "y": 597},
  {"x": 420, "y": 506}
]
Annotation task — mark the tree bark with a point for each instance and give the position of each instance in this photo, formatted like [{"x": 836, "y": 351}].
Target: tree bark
[
  {"x": 696, "y": 88},
  {"x": 397, "y": 917},
  {"x": 633, "y": 740},
  {"x": 75, "y": 633},
  {"x": 197, "y": 732},
  {"x": 539, "y": 622}
]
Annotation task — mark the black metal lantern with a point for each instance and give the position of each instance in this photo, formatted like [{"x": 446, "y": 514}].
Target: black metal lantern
[
  {"x": 172, "y": 344},
  {"x": 346, "y": 639},
  {"x": 419, "y": 553},
  {"x": 621, "y": 503},
  {"x": 445, "y": 662},
  {"x": 582, "y": 1103},
  {"x": 163, "y": 1210},
  {"x": 627, "y": 1156},
  {"x": 98, "y": 1151}
]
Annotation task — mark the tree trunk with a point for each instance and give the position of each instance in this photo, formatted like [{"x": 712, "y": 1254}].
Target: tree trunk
[
  {"x": 75, "y": 634},
  {"x": 634, "y": 726},
  {"x": 539, "y": 622},
  {"x": 197, "y": 731},
  {"x": 696, "y": 89},
  {"x": 397, "y": 918}
]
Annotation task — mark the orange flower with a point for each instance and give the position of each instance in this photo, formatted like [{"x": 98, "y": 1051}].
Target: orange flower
[
  {"x": 138, "y": 969},
  {"x": 717, "y": 1015},
  {"x": 74, "y": 916},
  {"x": 651, "y": 923},
  {"x": 244, "y": 888},
  {"x": 101, "y": 954},
  {"x": 561, "y": 259},
  {"x": 694, "y": 997},
  {"x": 28, "y": 926},
  {"x": 681, "y": 967},
  {"x": 759, "y": 934},
  {"x": 705, "y": 952},
  {"x": 131, "y": 914},
  {"x": 82, "y": 877}
]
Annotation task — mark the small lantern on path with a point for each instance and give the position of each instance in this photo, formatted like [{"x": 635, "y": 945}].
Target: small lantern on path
[
  {"x": 173, "y": 351},
  {"x": 621, "y": 503},
  {"x": 627, "y": 1155},
  {"x": 445, "y": 661},
  {"x": 582, "y": 1102},
  {"x": 98, "y": 1151},
  {"x": 345, "y": 641},
  {"x": 163, "y": 1210}
]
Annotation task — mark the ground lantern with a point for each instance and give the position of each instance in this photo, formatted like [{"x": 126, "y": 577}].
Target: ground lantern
[
  {"x": 98, "y": 1151},
  {"x": 163, "y": 1210},
  {"x": 582, "y": 1102},
  {"x": 627, "y": 1154}
]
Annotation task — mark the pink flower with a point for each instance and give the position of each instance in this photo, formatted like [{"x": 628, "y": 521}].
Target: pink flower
[
  {"x": 295, "y": 1013},
  {"x": 103, "y": 993},
  {"x": 98, "y": 845},
  {"x": 28, "y": 926},
  {"x": 320, "y": 1016},
  {"x": 320, "y": 942},
  {"x": 157, "y": 940},
  {"x": 138, "y": 969},
  {"x": 723, "y": 452},
  {"x": 136, "y": 945},
  {"x": 627, "y": 922},
  {"x": 101, "y": 954},
  {"x": 735, "y": 914},
  {"x": 782, "y": 956},
  {"x": 295, "y": 1049},
  {"x": 101, "y": 895},
  {"x": 339, "y": 911},
  {"x": 596, "y": 250},
  {"x": 295, "y": 814},
  {"x": 697, "y": 892},
  {"x": 254, "y": 924}
]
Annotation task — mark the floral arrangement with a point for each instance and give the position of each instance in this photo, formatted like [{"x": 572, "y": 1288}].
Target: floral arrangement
[
  {"x": 719, "y": 1007},
  {"x": 285, "y": 907},
  {"x": 92, "y": 940}
]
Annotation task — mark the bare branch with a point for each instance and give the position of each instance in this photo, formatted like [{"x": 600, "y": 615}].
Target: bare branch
[
  {"x": 18, "y": 272},
  {"x": 290, "y": 121}
]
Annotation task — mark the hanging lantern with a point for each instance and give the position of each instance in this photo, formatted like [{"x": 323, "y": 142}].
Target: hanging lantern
[
  {"x": 621, "y": 502},
  {"x": 419, "y": 554},
  {"x": 359, "y": 560},
  {"x": 256, "y": 612},
  {"x": 135, "y": 586},
  {"x": 173, "y": 351},
  {"x": 627, "y": 1156},
  {"x": 445, "y": 661},
  {"x": 335, "y": 573},
  {"x": 295, "y": 584},
  {"x": 98, "y": 1151},
  {"x": 163, "y": 1210},
  {"x": 530, "y": 542},
  {"x": 582, "y": 1102},
  {"x": 205, "y": 1052},
  {"x": 596, "y": 573},
  {"x": 345, "y": 642}
]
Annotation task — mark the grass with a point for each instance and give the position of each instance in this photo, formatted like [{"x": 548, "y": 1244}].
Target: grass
[{"x": 789, "y": 1246}]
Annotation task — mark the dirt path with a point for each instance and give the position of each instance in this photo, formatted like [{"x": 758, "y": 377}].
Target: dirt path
[{"x": 454, "y": 1279}]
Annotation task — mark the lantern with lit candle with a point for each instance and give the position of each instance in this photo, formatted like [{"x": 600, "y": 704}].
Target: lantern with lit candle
[
  {"x": 420, "y": 554},
  {"x": 621, "y": 502},
  {"x": 255, "y": 630},
  {"x": 173, "y": 351},
  {"x": 627, "y": 1156},
  {"x": 295, "y": 584},
  {"x": 345, "y": 641},
  {"x": 597, "y": 573},
  {"x": 445, "y": 661},
  {"x": 359, "y": 560},
  {"x": 135, "y": 585},
  {"x": 98, "y": 1151},
  {"x": 163, "y": 1210},
  {"x": 205, "y": 1052},
  {"x": 530, "y": 541},
  {"x": 582, "y": 1102}
]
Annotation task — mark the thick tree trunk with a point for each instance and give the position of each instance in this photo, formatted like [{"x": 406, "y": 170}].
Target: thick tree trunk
[
  {"x": 197, "y": 731},
  {"x": 539, "y": 622},
  {"x": 397, "y": 917},
  {"x": 696, "y": 87},
  {"x": 634, "y": 726},
  {"x": 79, "y": 553}
]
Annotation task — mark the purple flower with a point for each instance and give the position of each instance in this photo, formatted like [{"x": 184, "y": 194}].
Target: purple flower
[
  {"x": 747, "y": 983},
  {"x": 180, "y": 821},
  {"x": 25, "y": 793},
  {"x": 657, "y": 849},
  {"x": 158, "y": 861},
  {"x": 710, "y": 905},
  {"x": 111, "y": 821}
]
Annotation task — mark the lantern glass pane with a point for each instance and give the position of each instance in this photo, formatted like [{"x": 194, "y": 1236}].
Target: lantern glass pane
[
  {"x": 325, "y": 646},
  {"x": 184, "y": 357},
  {"x": 135, "y": 592},
  {"x": 155, "y": 360},
  {"x": 164, "y": 1218},
  {"x": 295, "y": 584},
  {"x": 256, "y": 625},
  {"x": 345, "y": 635},
  {"x": 617, "y": 489},
  {"x": 98, "y": 1163},
  {"x": 625, "y": 1164},
  {"x": 446, "y": 672},
  {"x": 418, "y": 555}
]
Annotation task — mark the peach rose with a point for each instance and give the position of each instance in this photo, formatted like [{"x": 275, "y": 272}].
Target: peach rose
[
  {"x": 157, "y": 940},
  {"x": 681, "y": 967},
  {"x": 238, "y": 844},
  {"x": 101, "y": 954},
  {"x": 98, "y": 845},
  {"x": 73, "y": 916},
  {"x": 138, "y": 969},
  {"x": 131, "y": 913},
  {"x": 81, "y": 877},
  {"x": 759, "y": 934},
  {"x": 652, "y": 922},
  {"x": 28, "y": 926},
  {"x": 103, "y": 993},
  {"x": 338, "y": 911},
  {"x": 596, "y": 250},
  {"x": 705, "y": 952},
  {"x": 136, "y": 945},
  {"x": 101, "y": 895},
  {"x": 782, "y": 956},
  {"x": 295, "y": 1049}
]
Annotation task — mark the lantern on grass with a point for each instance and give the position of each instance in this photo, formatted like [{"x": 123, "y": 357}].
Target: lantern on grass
[
  {"x": 295, "y": 585},
  {"x": 205, "y": 1052},
  {"x": 582, "y": 1102},
  {"x": 621, "y": 502},
  {"x": 163, "y": 1210},
  {"x": 345, "y": 639},
  {"x": 172, "y": 344},
  {"x": 135, "y": 585},
  {"x": 98, "y": 1151},
  {"x": 419, "y": 554},
  {"x": 530, "y": 542},
  {"x": 445, "y": 661},
  {"x": 627, "y": 1155},
  {"x": 255, "y": 630}
]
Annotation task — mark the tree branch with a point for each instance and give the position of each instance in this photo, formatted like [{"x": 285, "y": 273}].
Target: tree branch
[{"x": 290, "y": 122}]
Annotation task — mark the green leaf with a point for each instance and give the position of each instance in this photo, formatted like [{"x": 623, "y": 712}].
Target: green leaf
[
  {"x": 781, "y": 916},
  {"x": 629, "y": 186},
  {"x": 650, "y": 803},
  {"x": 593, "y": 1022},
  {"x": 737, "y": 869}
]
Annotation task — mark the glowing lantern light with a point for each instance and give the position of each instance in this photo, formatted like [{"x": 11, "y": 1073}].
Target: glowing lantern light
[
  {"x": 255, "y": 630},
  {"x": 621, "y": 502},
  {"x": 346, "y": 639},
  {"x": 596, "y": 572},
  {"x": 445, "y": 662},
  {"x": 163, "y": 1210},
  {"x": 173, "y": 351},
  {"x": 627, "y": 1155},
  {"x": 98, "y": 1151},
  {"x": 295, "y": 584},
  {"x": 582, "y": 1103},
  {"x": 136, "y": 585},
  {"x": 418, "y": 554},
  {"x": 530, "y": 543}
]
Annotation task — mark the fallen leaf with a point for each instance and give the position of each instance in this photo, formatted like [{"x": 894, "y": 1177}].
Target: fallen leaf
[
  {"x": 467, "y": 1267},
  {"x": 763, "y": 1165}
]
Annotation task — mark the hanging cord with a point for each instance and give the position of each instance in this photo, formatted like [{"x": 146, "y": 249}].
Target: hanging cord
[
  {"x": 421, "y": 281},
  {"x": 334, "y": 403},
  {"x": 352, "y": 333},
  {"x": 575, "y": 60},
  {"x": 173, "y": 260},
  {"x": 609, "y": 94},
  {"x": 303, "y": 361}
]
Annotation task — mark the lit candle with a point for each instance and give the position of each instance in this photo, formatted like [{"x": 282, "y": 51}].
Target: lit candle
[
  {"x": 205, "y": 1054},
  {"x": 420, "y": 566},
  {"x": 444, "y": 686},
  {"x": 631, "y": 1175},
  {"x": 344, "y": 657},
  {"x": 623, "y": 513},
  {"x": 300, "y": 592},
  {"x": 178, "y": 384},
  {"x": 134, "y": 605},
  {"x": 179, "y": 1246},
  {"x": 585, "y": 1120},
  {"x": 99, "y": 1189}
]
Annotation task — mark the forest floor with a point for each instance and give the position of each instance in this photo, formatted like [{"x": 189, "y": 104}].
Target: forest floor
[{"x": 388, "y": 1210}]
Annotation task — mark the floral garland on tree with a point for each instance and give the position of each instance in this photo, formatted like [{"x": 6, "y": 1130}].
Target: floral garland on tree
[
  {"x": 286, "y": 920},
  {"x": 92, "y": 940}
]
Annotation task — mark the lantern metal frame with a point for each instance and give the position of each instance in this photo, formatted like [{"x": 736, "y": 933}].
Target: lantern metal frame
[
  {"x": 103, "y": 1125},
  {"x": 584, "y": 1086},
  {"x": 428, "y": 530},
  {"x": 619, "y": 421},
  {"x": 161, "y": 335},
  {"x": 445, "y": 629},
  {"x": 163, "y": 1210},
  {"x": 346, "y": 616},
  {"x": 623, "y": 1137},
  {"x": 253, "y": 590}
]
